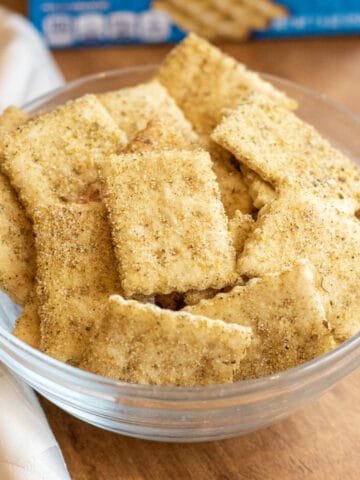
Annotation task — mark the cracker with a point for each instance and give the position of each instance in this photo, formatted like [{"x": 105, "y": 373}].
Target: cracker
[
  {"x": 17, "y": 259},
  {"x": 260, "y": 192},
  {"x": 132, "y": 108},
  {"x": 27, "y": 327},
  {"x": 52, "y": 156},
  {"x": 143, "y": 344},
  {"x": 75, "y": 273},
  {"x": 192, "y": 297},
  {"x": 11, "y": 118},
  {"x": 168, "y": 223},
  {"x": 267, "y": 8},
  {"x": 166, "y": 130},
  {"x": 240, "y": 227},
  {"x": 17, "y": 263},
  {"x": 206, "y": 16},
  {"x": 244, "y": 14},
  {"x": 286, "y": 315},
  {"x": 302, "y": 226},
  {"x": 204, "y": 81},
  {"x": 234, "y": 192},
  {"x": 287, "y": 152}
]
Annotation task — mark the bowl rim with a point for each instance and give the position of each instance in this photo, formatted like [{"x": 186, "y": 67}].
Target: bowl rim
[{"x": 287, "y": 378}]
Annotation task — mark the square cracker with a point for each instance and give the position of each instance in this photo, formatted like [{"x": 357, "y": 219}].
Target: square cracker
[
  {"x": 132, "y": 108},
  {"x": 169, "y": 227},
  {"x": 17, "y": 262},
  {"x": 141, "y": 343},
  {"x": 302, "y": 226},
  {"x": 287, "y": 152},
  {"x": 204, "y": 81},
  {"x": 286, "y": 315},
  {"x": 51, "y": 157},
  {"x": 76, "y": 271}
]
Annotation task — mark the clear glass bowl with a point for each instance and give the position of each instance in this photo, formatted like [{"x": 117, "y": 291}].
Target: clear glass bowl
[{"x": 184, "y": 414}]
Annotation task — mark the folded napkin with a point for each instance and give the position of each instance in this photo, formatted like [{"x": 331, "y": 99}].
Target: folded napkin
[{"x": 28, "y": 449}]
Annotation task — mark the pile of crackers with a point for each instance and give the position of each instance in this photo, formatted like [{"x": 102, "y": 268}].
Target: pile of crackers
[
  {"x": 232, "y": 20},
  {"x": 190, "y": 230}
]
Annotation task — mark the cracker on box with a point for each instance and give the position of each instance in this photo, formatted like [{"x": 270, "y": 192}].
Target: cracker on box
[
  {"x": 204, "y": 81},
  {"x": 168, "y": 224},
  {"x": 51, "y": 157},
  {"x": 204, "y": 17},
  {"x": 302, "y": 226},
  {"x": 75, "y": 272},
  {"x": 141, "y": 343},
  {"x": 17, "y": 262},
  {"x": 287, "y": 317},
  {"x": 288, "y": 152},
  {"x": 184, "y": 20}
]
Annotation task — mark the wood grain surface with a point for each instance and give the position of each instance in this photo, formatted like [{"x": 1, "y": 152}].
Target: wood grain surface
[{"x": 319, "y": 442}]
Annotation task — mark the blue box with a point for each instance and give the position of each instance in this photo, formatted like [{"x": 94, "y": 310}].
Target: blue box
[{"x": 69, "y": 23}]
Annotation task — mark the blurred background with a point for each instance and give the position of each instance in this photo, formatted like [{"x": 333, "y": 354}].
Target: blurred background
[{"x": 328, "y": 61}]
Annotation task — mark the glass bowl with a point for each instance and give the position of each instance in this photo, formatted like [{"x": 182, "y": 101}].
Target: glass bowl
[{"x": 184, "y": 414}]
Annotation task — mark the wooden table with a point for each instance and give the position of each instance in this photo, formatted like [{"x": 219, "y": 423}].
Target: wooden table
[{"x": 321, "y": 441}]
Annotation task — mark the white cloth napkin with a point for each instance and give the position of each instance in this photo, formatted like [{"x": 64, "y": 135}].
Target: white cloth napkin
[
  {"x": 28, "y": 449},
  {"x": 27, "y": 69}
]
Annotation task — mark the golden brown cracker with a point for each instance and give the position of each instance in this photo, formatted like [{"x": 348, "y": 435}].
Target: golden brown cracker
[
  {"x": 261, "y": 192},
  {"x": 140, "y": 343},
  {"x": 17, "y": 257},
  {"x": 17, "y": 262},
  {"x": 234, "y": 192},
  {"x": 131, "y": 108},
  {"x": 27, "y": 327},
  {"x": 76, "y": 271},
  {"x": 51, "y": 157},
  {"x": 267, "y": 8},
  {"x": 11, "y": 118},
  {"x": 168, "y": 223},
  {"x": 286, "y": 315},
  {"x": 204, "y": 81},
  {"x": 240, "y": 227},
  {"x": 302, "y": 226},
  {"x": 167, "y": 129},
  {"x": 192, "y": 297},
  {"x": 243, "y": 14},
  {"x": 287, "y": 152}
]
